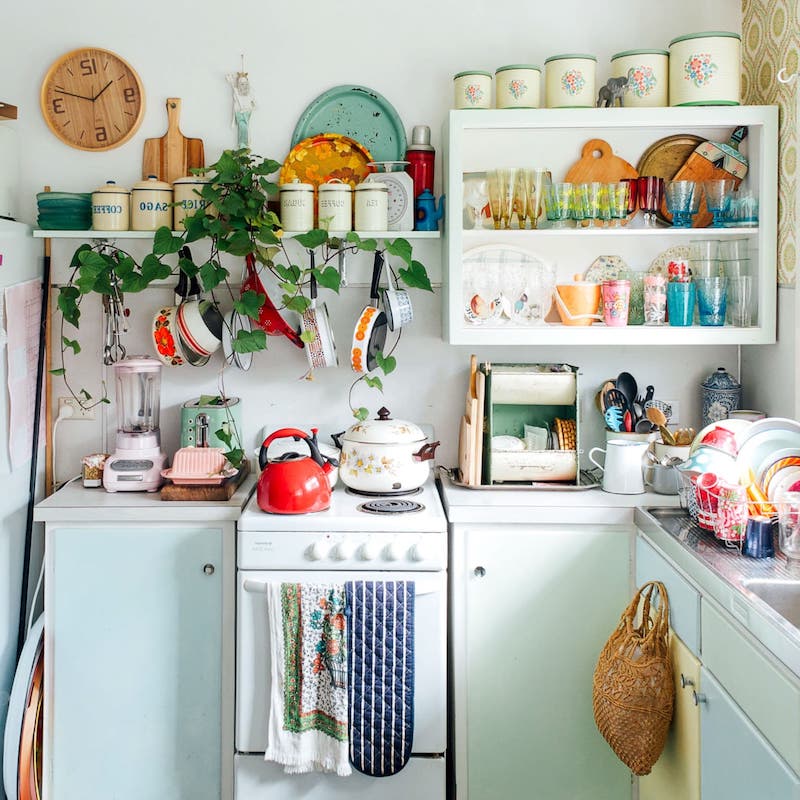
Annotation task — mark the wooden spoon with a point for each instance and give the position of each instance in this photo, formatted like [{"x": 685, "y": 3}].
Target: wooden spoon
[{"x": 656, "y": 416}]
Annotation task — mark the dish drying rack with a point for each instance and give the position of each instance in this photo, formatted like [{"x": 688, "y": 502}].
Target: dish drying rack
[{"x": 723, "y": 509}]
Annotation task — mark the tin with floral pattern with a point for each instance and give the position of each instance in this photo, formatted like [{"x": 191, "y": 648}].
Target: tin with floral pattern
[{"x": 705, "y": 69}]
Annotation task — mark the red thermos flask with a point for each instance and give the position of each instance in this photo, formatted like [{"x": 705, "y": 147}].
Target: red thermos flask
[{"x": 420, "y": 156}]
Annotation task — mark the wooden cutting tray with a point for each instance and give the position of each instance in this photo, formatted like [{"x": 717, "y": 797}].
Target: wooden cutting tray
[{"x": 222, "y": 491}]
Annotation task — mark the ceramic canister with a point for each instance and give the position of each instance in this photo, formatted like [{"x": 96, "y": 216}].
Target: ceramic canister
[
  {"x": 517, "y": 86},
  {"x": 569, "y": 81},
  {"x": 647, "y": 72},
  {"x": 705, "y": 69},
  {"x": 722, "y": 393},
  {"x": 111, "y": 208},
  {"x": 187, "y": 198},
  {"x": 297, "y": 206},
  {"x": 473, "y": 89},
  {"x": 372, "y": 206},
  {"x": 151, "y": 205},
  {"x": 335, "y": 205}
]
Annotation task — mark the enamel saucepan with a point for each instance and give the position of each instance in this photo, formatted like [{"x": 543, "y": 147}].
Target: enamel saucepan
[{"x": 369, "y": 336}]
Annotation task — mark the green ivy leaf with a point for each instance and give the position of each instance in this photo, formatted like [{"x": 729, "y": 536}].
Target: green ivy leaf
[
  {"x": 416, "y": 277},
  {"x": 57, "y": 372},
  {"x": 267, "y": 167},
  {"x": 361, "y": 413},
  {"x": 235, "y": 455},
  {"x": 238, "y": 243},
  {"x": 249, "y": 304},
  {"x": 267, "y": 236},
  {"x": 67, "y": 304},
  {"x": 86, "y": 283},
  {"x": 312, "y": 239},
  {"x": 288, "y": 287},
  {"x": 374, "y": 382},
  {"x": 195, "y": 226},
  {"x": 133, "y": 283},
  {"x": 329, "y": 278},
  {"x": 153, "y": 269},
  {"x": 249, "y": 341},
  {"x": 400, "y": 248},
  {"x": 212, "y": 275},
  {"x": 352, "y": 237},
  {"x": 75, "y": 261},
  {"x": 125, "y": 264},
  {"x": 386, "y": 363},
  {"x": 297, "y": 303},
  {"x": 308, "y": 336},
  {"x": 84, "y": 394},
  {"x": 284, "y": 273},
  {"x": 72, "y": 344},
  {"x": 165, "y": 243},
  {"x": 368, "y": 245}
]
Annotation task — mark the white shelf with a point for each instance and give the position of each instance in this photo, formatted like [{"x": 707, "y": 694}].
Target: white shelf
[
  {"x": 480, "y": 140},
  {"x": 59, "y": 234}
]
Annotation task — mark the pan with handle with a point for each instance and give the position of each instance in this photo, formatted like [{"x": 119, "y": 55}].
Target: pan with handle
[
  {"x": 321, "y": 350},
  {"x": 369, "y": 336}
]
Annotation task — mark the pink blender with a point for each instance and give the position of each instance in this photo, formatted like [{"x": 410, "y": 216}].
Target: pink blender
[{"x": 137, "y": 461}]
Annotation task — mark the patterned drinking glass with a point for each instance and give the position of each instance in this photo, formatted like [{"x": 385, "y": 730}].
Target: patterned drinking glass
[
  {"x": 655, "y": 299},
  {"x": 618, "y": 202},
  {"x": 558, "y": 203},
  {"x": 718, "y": 200},
  {"x": 678, "y": 196}
]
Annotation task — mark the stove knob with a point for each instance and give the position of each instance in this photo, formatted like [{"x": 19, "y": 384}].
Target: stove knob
[
  {"x": 368, "y": 552},
  {"x": 393, "y": 552},
  {"x": 419, "y": 552},
  {"x": 343, "y": 551},
  {"x": 318, "y": 551}
]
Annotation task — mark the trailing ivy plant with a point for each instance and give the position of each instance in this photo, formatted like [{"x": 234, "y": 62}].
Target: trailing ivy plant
[{"x": 241, "y": 225}]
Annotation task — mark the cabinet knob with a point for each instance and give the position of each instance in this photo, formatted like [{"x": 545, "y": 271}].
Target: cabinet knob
[
  {"x": 479, "y": 572},
  {"x": 698, "y": 698},
  {"x": 686, "y": 681},
  {"x": 208, "y": 569}
]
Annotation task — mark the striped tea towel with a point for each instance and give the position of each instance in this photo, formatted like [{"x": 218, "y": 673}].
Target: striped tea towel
[
  {"x": 308, "y": 707},
  {"x": 380, "y": 663}
]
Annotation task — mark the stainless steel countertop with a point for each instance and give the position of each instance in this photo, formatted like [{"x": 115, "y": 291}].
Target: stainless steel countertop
[{"x": 720, "y": 573}]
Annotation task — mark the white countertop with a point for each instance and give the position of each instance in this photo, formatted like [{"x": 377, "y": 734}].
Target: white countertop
[{"x": 73, "y": 503}]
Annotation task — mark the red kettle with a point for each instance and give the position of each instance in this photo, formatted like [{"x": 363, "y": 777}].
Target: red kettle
[{"x": 293, "y": 483}]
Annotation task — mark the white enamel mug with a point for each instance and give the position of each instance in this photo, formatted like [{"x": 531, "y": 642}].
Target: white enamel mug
[{"x": 622, "y": 470}]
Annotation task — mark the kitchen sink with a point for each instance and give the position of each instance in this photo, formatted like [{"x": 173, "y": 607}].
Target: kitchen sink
[
  {"x": 675, "y": 521},
  {"x": 780, "y": 595}
]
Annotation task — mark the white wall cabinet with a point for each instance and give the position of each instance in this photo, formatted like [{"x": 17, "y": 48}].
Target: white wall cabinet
[
  {"x": 481, "y": 140},
  {"x": 135, "y": 680},
  {"x": 531, "y": 607}
]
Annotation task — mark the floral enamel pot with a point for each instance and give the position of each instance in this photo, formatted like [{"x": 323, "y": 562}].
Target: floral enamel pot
[{"x": 384, "y": 455}]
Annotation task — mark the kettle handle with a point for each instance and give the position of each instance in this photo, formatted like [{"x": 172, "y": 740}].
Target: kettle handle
[{"x": 283, "y": 433}]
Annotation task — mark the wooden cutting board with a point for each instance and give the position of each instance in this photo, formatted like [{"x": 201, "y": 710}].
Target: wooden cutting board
[
  {"x": 466, "y": 440},
  {"x": 712, "y": 161},
  {"x": 477, "y": 453},
  {"x": 173, "y": 155},
  {"x": 223, "y": 491},
  {"x": 598, "y": 163}
]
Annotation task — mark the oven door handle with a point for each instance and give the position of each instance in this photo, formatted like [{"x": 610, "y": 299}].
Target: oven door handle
[{"x": 420, "y": 589}]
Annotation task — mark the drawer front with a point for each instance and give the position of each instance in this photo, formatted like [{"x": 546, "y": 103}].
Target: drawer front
[
  {"x": 762, "y": 688},
  {"x": 684, "y": 600}
]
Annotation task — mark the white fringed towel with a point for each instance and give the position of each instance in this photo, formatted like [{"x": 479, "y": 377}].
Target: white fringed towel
[{"x": 308, "y": 702}]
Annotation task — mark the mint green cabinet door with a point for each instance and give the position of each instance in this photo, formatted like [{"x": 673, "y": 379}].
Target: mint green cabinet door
[
  {"x": 541, "y": 601},
  {"x": 135, "y": 617},
  {"x": 736, "y": 762}
]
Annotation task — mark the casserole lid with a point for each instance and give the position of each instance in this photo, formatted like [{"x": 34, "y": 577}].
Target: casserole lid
[{"x": 385, "y": 430}]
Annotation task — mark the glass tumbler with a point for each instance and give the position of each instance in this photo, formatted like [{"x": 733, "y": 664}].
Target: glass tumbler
[
  {"x": 558, "y": 204},
  {"x": 618, "y": 202},
  {"x": 741, "y": 297},
  {"x": 789, "y": 524},
  {"x": 718, "y": 199},
  {"x": 680, "y": 303},
  {"x": 712, "y": 297},
  {"x": 655, "y": 299},
  {"x": 537, "y": 179},
  {"x": 678, "y": 196}
]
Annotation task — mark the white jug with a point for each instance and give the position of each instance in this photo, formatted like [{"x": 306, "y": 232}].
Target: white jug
[{"x": 622, "y": 471}]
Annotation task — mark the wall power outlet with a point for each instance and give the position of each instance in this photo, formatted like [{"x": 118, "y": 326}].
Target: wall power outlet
[{"x": 77, "y": 411}]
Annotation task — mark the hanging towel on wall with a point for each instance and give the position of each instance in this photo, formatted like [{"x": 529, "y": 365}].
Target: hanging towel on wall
[
  {"x": 380, "y": 663},
  {"x": 308, "y": 702}
]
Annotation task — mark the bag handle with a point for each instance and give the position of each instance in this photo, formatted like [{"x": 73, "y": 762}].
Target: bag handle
[
  {"x": 654, "y": 623},
  {"x": 560, "y": 303}
]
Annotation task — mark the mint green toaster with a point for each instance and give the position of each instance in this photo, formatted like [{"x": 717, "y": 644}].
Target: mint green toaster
[{"x": 203, "y": 417}]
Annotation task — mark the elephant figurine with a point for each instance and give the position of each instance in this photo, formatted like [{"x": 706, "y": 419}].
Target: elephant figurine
[{"x": 613, "y": 90}]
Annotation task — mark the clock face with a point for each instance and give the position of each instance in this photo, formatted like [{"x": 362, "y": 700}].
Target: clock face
[{"x": 92, "y": 99}]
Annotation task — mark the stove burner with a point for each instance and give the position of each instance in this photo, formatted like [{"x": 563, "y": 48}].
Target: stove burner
[
  {"x": 389, "y": 505},
  {"x": 388, "y": 495}
]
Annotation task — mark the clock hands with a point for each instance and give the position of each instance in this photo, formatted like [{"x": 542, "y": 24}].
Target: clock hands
[
  {"x": 72, "y": 94},
  {"x": 102, "y": 90}
]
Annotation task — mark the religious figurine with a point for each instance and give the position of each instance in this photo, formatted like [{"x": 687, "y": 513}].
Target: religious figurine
[{"x": 243, "y": 105}]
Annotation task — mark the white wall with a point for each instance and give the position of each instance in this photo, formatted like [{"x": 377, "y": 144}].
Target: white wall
[{"x": 293, "y": 53}]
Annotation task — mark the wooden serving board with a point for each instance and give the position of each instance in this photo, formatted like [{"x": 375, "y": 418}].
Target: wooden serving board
[
  {"x": 598, "y": 163},
  {"x": 708, "y": 162},
  {"x": 223, "y": 491},
  {"x": 173, "y": 155}
]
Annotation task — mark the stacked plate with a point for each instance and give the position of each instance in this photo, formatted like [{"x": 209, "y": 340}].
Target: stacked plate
[
  {"x": 64, "y": 211},
  {"x": 771, "y": 449}
]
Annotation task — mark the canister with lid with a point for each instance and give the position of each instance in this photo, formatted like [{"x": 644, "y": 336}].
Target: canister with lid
[
  {"x": 335, "y": 205},
  {"x": 151, "y": 205},
  {"x": 517, "y": 86},
  {"x": 111, "y": 208},
  {"x": 722, "y": 393},
  {"x": 705, "y": 69},
  {"x": 297, "y": 206},
  {"x": 647, "y": 72},
  {"x": 372, "y": 206},
  {"x": 569, "y": 81},
  {"x": 188, "y": 200},
  {"x": 473, "y": 89}
]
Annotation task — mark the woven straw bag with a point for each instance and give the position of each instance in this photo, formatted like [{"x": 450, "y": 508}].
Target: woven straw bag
[{"x": 633, "y": 692}]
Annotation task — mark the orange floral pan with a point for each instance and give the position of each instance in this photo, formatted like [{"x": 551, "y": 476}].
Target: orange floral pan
[{"x": 326, "y": 156}]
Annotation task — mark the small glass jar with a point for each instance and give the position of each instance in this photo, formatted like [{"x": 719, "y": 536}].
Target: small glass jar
[
  {"x": 297, "y": 206},
  {"x": 372, "y": 206},
  {"x": 92, "y": 469},
  {"x": 335, "y": 205}
]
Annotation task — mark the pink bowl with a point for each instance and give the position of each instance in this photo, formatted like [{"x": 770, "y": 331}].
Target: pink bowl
[{"x": 722, "y": 439}]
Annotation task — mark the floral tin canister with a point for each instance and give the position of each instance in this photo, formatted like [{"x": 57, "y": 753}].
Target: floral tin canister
[
  {"x": 722, "y": 393},
  {"x": 705, "y": 69},
  {"x": 517, "y": 86},
  {"x": 473, "y": 89},
  {"x": 569, "y": 81},
  {"x": 647, "y": 72}
]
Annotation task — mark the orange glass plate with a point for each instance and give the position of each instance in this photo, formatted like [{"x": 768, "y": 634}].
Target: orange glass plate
[{"x": 321, "y": 158}]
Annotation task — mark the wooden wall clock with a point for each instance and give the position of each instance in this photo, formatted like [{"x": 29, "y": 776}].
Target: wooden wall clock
[{"x": 92, "y": 99}]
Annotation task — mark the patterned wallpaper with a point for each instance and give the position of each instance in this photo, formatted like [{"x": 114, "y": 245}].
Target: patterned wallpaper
[{"x": 771, "y": 40}]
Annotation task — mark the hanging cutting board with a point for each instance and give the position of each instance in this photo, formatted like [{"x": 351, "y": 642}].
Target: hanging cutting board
[
  {"x": 173, "y": 155},
  {"x": 712, "y": 161},
  {"x": 598, "y": 163}
]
